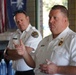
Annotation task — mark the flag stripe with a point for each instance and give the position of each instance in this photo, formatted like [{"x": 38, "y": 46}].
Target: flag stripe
[{"x": 3, "y": 14}]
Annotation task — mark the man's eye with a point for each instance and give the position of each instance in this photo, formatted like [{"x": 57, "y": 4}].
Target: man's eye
[
  {"x": 21, "y": 20},
  {"x": 50, "y": 18},
  {"x": 17, "y": 22},
  {"x": 55, "y": 17}
]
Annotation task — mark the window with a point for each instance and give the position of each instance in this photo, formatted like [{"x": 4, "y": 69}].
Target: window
[{"x": 47, "y": 4}]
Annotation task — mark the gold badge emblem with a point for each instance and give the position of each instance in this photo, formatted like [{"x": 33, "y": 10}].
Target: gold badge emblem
[
  {"x": 61, "y": 42},
  {"x": 35, "y": 34}
]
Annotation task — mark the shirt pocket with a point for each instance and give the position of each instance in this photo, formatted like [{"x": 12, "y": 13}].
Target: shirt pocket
[{"x": 60, "y": 55}]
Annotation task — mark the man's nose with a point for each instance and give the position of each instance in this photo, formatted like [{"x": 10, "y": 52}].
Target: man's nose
[
  {"x": 20, "y": 22},
  {"x": 51, "y": 19}
]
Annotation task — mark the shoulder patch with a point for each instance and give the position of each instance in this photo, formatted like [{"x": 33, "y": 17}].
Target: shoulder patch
[{"x": 35, "y": 34}]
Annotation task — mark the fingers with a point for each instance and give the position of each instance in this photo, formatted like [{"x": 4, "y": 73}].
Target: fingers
[
  {"x": 48, "y": 62},
  {"x": 21, "y": 43},
  {"x": 17, "y": 44},
  {"x": 43, "y": 68}
]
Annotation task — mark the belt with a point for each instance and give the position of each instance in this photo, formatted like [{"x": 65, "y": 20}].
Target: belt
[{"x": 29, "y": 72}]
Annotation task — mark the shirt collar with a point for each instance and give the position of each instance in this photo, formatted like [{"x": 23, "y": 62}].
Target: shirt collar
[
  {"x": 28, "y": 28},
  {"x": 63, "y": 34}
]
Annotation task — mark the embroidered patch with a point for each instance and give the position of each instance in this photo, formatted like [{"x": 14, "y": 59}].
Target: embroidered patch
[{"x": 35, "y": 34}]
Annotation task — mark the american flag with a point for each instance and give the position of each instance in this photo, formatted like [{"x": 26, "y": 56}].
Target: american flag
[
  {"x": 7, "y": 7},
  {"x": 2, "y": 16}
]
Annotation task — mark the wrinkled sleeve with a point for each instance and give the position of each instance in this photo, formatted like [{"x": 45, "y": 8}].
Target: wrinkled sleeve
[{"x": 73, "y": 51}]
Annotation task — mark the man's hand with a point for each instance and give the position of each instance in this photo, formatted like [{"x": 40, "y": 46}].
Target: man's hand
[
  {"x": 49, "y": 68},
  {"x": 20, "y": 48},
  {"x": 6, "y": 53}
]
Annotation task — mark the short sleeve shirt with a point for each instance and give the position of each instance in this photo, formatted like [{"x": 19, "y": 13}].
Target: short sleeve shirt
[
  {"x": 61, "y": 50},
  {"x": 29, "y": 40}
]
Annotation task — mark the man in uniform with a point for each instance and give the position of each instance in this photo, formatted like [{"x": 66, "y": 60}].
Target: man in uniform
[
  {"x": 30, "y": 36},
  {"x": 56, "y": 53}
]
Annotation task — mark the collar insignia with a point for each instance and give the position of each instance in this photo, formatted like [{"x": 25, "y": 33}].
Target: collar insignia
[{"x": 61, "y": 42}]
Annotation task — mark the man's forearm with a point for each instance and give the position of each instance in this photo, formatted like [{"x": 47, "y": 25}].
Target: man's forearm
[
  {"x": 13, "y": 55},
  {"x": 29, "y": 60},
  {"x": 66, "y": 70}
]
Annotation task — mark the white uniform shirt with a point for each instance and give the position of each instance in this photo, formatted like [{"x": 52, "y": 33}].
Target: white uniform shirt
[
  {"x": 28, "y": 40},
  {"x": 63, "y": 54}
]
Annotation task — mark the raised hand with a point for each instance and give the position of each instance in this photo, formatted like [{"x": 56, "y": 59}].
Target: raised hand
[{"x": 20, "y": 48}]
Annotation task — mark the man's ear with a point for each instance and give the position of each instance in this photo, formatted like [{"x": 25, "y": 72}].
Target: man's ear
[{"x": 28, "y": 18}]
